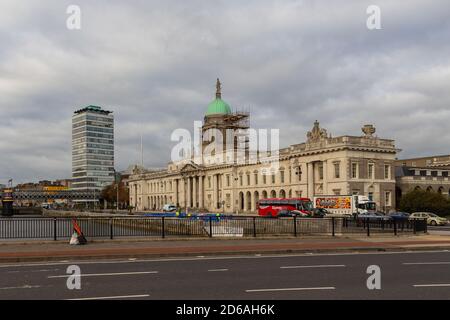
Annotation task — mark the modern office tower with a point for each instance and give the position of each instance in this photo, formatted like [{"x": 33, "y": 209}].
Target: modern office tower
[{"x": 92, "y": 149}]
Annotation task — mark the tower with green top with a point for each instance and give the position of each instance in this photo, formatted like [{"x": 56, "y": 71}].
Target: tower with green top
[
  {"x": 218, "y": 106},
  {"x": 219, "y": 116}
]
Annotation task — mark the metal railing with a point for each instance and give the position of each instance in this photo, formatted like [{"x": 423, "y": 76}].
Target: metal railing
[{"x": 208, "y": 226}]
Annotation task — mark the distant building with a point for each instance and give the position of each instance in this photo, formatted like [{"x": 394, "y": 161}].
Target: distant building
[
  {"x": 64, "y": 182},
  {"x": 427, "y": 173},
  {"x": 92, "y": 149}
]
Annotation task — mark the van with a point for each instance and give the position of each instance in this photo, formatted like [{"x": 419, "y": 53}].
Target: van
[{"x": 169, "y": 208}]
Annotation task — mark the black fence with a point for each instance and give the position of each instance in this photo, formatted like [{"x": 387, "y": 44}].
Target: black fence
[{"x": 162, "y": 227}]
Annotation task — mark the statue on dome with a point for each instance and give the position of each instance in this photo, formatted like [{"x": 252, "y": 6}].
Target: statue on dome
[{"x": 218, "y": 89}]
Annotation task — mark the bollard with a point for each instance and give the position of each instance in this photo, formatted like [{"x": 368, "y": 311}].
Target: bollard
[
  {"x": 111, "y": 236},
  {"x": 163, "y": 230},
  {"x": 332, "y": 227},
  {"x": 295, "y": 225},
  {"x": 210, "y": 226},
  {"x": 254, "y": 227},
  {"x": 54, "y": 229}
]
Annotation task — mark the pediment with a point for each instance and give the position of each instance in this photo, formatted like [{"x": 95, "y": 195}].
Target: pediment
[{"x": 189, "y": 167}]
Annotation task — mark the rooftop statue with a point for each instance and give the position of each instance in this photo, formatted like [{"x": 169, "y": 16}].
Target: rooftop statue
[{"x": 316, "y": 134}]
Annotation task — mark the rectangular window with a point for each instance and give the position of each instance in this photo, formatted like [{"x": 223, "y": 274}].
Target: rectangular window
[
  {"x": 387, "y": 169},
  {"x": 320, "y": 172},
  {"x": 337, "y": 170},
  {"x": 209, "y": 182},
  {"x": 282, "y": 176},
  {"x": 264, "y": 178},
  {"x": 228, "y": 180},
  {"x": 240, "y": 180},
  {"x": 354, "y": 170},
  {"x": 256, "y": 178},
  {"x": 370, "y": 171},
  {"x": 388, "y": 199},
  {"x": 248, "y": 179},
  {"x": 273, "y": 178}
]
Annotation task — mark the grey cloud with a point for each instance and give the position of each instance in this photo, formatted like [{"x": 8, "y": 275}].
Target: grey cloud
[{"x": 154, "y": 64}]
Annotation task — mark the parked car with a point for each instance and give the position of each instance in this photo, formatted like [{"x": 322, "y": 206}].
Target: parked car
[
  {"x": 292, "y": 213},
  {"x": 319, "y": 212},
  {"x": 169, "y": 208},
  {"x": 399, "y": 216},
  {"x": 432, "y": 219},
  {"x": 376, "y": 216}
]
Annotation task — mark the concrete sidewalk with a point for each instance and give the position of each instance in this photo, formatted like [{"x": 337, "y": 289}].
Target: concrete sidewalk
[{"x": 117, "y": 249}]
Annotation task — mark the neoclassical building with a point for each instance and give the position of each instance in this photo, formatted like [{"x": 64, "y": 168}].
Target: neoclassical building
[
  {"x": 426, "y": 173},
  {"x": 322, "y": 165}
]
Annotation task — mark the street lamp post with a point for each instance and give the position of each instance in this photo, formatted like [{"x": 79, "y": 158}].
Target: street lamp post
[
  {"x": 117, "y": 202},
  {"x": 117, "y": 187}
]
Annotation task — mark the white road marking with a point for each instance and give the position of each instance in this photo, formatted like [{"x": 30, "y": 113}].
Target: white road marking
[
  {"x": 432, "y": 285},
  {"x": 114, "y": 297},
  {"x": 425, "y": 263},
  {"x": 291, "y": 289},
  {"x": 315, "y": 266},
  {"x": 21, "y": 287},
  {"x": 104, "y": 274},
  {"x": 218, "y": 257},
  {"x": 217, "y": 270}
]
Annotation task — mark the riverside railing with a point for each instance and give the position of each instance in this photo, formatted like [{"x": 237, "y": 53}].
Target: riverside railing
[{"x": 208, "y": 226}]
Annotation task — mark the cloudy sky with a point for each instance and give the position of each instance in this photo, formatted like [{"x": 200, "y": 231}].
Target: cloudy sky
[{"x": 154, "y": 63}]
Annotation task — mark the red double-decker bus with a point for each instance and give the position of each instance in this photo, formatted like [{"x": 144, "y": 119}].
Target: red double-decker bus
[{"x": 273, "y": 206}]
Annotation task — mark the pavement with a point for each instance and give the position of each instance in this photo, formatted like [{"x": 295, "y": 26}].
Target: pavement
[
  {"x": 325, "y": 276},
  {"x": 146, "y": 248}
]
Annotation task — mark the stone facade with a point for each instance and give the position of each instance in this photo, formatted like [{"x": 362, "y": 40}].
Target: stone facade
[
  {"x": 323, "y": 165},
  {"x": 428, "y": 173}
]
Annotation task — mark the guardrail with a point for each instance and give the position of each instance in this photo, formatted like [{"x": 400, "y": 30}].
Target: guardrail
[{"x": 206, "y": 226}]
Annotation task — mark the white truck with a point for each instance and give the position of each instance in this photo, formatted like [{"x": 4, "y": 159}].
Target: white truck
[{"x": 345, "y": 205}]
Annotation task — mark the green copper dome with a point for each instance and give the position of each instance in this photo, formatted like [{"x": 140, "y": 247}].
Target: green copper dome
[{"x": 218, "y": 106}]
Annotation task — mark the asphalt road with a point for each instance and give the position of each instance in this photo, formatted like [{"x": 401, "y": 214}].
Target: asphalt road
[
  {"x": 439, "y": 230},
  {"x": 404, "y": 275}
]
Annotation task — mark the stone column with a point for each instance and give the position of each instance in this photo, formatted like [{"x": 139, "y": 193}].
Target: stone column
[
  {"x": 177, "y": 190},
  {"x": 214, "y": 178},
  {"x": 325, "y": 177},
  {"x": 182, "y": 193},
  {"x": 194, "y": 192},
  {"x": 189, "y": 192},
  {"x": 310, "y": 173},
  {"x": 200, "y": 191}
]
